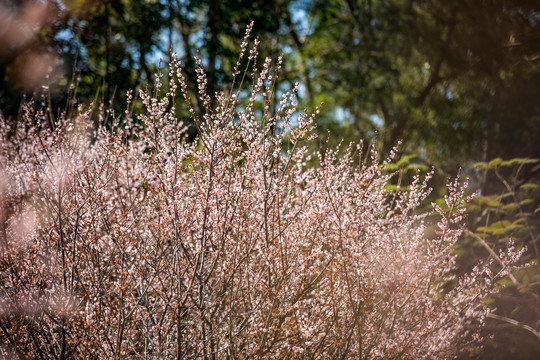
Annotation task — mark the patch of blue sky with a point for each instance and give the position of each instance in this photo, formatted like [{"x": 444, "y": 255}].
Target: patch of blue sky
[
  {"x": 299, "y": 10},
  {"x": 376, "y": 120},
  {"x": 161, "y": 52},
  {"x": 341, "y": 115}
]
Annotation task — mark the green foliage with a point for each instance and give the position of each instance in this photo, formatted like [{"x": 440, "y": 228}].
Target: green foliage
[
  {"x": 114, "y": 46},
  {"x": 441, "y": 76},
  {"x": 498, "y": 162},
  {"x": 505, "y": 212}
]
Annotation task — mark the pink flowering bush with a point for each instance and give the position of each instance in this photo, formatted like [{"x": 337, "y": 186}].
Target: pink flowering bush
[{"x": 126, "y": 241}]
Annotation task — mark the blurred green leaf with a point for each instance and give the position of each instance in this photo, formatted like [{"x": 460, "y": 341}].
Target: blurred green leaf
[
  {"x": 518, "y": 161},
  {"x": 405, "y": 160},
  {"x": 529, "y": 186},
  {"x": 494, "y": 163},
  {"x": 526, "y": 202},
  {"x": 509, "y": 207},
  {"x": 416, "y": 167}
]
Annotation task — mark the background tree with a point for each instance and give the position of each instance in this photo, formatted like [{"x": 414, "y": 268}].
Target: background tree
[
  {"x": 454, "y": 80},
  {"x": 114, "y": 46}
]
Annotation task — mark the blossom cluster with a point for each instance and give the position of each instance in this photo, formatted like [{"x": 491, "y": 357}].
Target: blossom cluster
[{"x": 127, "y": 241}]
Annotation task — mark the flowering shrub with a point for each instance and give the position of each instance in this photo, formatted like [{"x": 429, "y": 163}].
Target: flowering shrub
[{"x": 129, "y": 242}]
